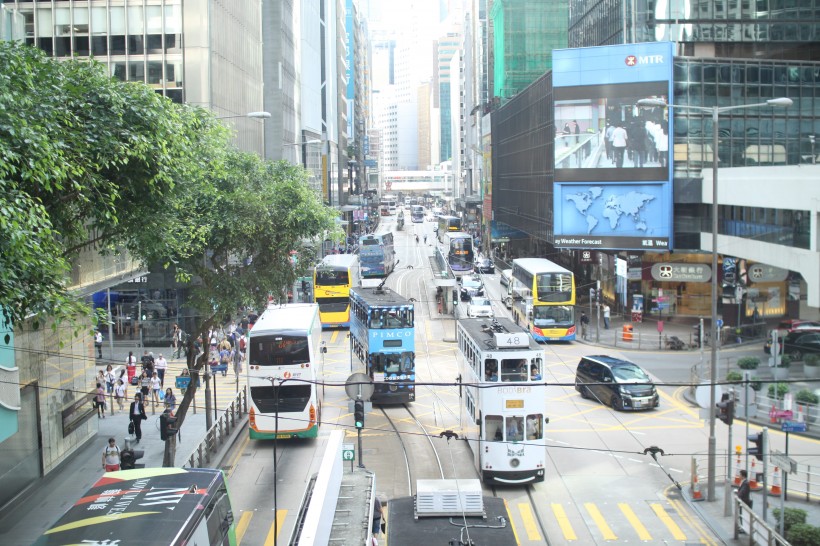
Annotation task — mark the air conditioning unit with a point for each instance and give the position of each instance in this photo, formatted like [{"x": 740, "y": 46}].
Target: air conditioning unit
[{"x": 436, "y": 498}]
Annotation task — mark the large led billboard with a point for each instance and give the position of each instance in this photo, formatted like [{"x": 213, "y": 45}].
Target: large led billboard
[{"x": 613, "y": 167}]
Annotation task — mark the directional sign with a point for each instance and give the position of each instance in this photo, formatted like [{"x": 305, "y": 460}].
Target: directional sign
[
  {"x": 348, "y": 452},
  {"x": 792, "y": 426},
  {"x": 786, "y": 464},
  {"x": 719, "y": 323}
]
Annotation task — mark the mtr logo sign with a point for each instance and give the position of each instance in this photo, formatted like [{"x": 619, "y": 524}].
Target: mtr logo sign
[{"x": 632, "y": 60}]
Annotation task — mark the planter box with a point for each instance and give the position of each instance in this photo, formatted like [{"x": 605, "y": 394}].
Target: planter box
[
  {"x": 779, "y": 374},
  {"x": 811, "y": 372}
]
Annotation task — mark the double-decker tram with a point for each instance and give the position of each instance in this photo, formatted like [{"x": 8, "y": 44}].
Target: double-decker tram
[
  {"x": 333, "y": 278},
  {"x": 377, "y": 258},
  {"x": 543, "y": 299},
  {"x": 417, "y": 214},
  {"x": 448, "y": 224},
  {"x": 284, "y": 368},
  {"x": 457, "y": 247},
  {"x": 382, "y": 325},
  {"x": 503, "y": 401}
]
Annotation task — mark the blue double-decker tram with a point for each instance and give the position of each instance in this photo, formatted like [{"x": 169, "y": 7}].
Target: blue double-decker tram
[{"x": 382, "y": 325}]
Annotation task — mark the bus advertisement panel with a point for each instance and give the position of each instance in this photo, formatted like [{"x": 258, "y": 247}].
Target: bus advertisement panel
[
  {"x": 613, "y": 163},
  {"x": 168, "y": 506},
  {"x": 543, "y": 299}
]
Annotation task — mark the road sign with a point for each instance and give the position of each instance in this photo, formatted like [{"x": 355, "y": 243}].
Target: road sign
[
  {"x": 359, "y": 385},
  {"x": 348, "y": 452},
  {"x": 786, "y": 464},
  {"x": 719, "y": 323},
  {"x": 792, "y": 426}
]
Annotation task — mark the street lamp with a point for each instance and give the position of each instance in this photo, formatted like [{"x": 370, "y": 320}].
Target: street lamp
[{"x": 715, "y": 111}]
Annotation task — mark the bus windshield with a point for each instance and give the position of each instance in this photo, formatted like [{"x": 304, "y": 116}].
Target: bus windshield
[
  {"x": 545, "y": 316},
  {"x": 331, "y": 277},
  {"x": 554, "y": 287},
  {"x": 279, "y": 350}
]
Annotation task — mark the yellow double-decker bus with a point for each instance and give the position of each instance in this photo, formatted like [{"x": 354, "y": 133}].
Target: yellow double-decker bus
[
  {"x": 543, "y": 299},
  {"x": 332, "y": 280}
]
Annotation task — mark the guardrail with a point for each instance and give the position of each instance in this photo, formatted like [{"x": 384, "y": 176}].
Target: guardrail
[{"x": 231, "y": 417}]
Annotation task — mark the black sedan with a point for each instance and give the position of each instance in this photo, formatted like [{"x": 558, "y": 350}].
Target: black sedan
[
  {"x": 799, "y": 343},
  {"x": 484, "y": 265},
  {"x": 471, "y": 286}
]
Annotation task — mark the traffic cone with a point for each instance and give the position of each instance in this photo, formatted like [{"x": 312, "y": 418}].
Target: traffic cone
[
  {"x": 738, "y": 479},
  {"x": 696, "y": 494},
  {"x": 753, "y": 484},
  {"x": 775, "y": 490}
]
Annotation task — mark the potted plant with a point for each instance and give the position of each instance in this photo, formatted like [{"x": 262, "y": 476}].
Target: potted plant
[
  {"x": 748, "y": 363},
  {"x": 811, "y": 366},
  {"x": 781, "y": 370},
  {"x": 778, "y": 390},
  {"x": 807, "y": 398}
]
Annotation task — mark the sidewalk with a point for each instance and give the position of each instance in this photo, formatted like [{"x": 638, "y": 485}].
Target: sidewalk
[{"x": 46, "y": 503}]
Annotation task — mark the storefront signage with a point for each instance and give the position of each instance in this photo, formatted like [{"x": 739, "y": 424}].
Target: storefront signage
[
  {"x": 767, "y": 273},
  {"x": 80, "y": 411},
  {"x": 681, "y": 272}
]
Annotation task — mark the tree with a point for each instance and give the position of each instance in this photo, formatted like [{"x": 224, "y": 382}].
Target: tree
[
  {"x": 255, "y": 217},
  {"x": 86, "y": 159}
]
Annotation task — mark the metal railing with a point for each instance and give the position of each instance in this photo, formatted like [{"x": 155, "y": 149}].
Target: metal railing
[
  {"x": 754, "y": 527},
  {"x": 232, "y": 416}
]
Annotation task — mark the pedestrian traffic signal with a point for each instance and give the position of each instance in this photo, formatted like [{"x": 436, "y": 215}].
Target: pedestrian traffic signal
[
  {"x": 698, "y": 334},
  {"x": 592, "y": 294},
  {"x": 757, "y": 450},
  {"x": 726, "y": 409},
  {"x": 358, "y": 413}
]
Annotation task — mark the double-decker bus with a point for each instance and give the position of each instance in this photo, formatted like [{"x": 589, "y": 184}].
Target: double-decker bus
[
  {"x": 448, "y": 224},
  {"x": 457, "y": 246},
  {"x": 417, "y": 214},
  {"x": 503, "y": 402},
  {"x": 387, "y": 205},
  {"x": 333, "y": 278},
  {"x": 284, "y": 366},
  {"x": 543, "y": 299},
  {"x": 382, "y": 324},
  {"x": 377, "y": 258},
  {"x": 174, "y": 506}
]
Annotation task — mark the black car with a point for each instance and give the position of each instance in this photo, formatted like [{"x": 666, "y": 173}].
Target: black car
[
  {"x": 484, "y": 265},
  {"x": 801, "y": 342},
  {"x": 471, "y": 286},
  {"x": 618, "y": 383}
]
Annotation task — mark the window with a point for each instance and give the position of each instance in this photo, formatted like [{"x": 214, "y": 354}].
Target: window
[
  {"x": 514, "y": 369},
  {"x": 534, "y": 429},
  {"x": 491, "y": 370},
  {"x": 515, "y": 429},
  {"x": 493, "y": 428}
]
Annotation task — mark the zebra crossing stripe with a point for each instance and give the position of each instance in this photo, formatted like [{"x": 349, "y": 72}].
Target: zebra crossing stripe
[
  {"x": 599, "y": 520},
  {"x": 563, "y": 522},
  {"x": 643, "y": 534}
]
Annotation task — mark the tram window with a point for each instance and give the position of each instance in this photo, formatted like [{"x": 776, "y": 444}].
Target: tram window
[
  {"x": 514, "y": 369},
  {"x": 534, "y": 429},
  {"x": 407, "y": 363},
  {"x": 515, "y": 433},
  {"x": 493, "y": 431},
  {"x": 491, "y": 370},
  {"x": 535, "y": 370}
]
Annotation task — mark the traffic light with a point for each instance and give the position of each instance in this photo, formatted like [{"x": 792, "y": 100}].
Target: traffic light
[
  {"x": 726, "y": 409},
  {"x": 358, "y": 413},
  {"x": 166, "y": 426},
  {"x": 592, "y": 295},
  {"x": 698, "y": 332},
  {"x": 455, "y": 298},
  {"x": 757, "y": 450}
]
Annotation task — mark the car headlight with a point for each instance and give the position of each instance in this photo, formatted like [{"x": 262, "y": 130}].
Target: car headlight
[{"x": 623, "y": 390}]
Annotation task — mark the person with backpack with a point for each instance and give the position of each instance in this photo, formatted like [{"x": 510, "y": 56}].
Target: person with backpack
[
  {"x": 110, "y": 379},
  {"x": 111, "y": 456},
  {"x": 224, "y": 359}
]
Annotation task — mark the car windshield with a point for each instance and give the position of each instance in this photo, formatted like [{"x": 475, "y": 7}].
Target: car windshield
[
  {"x": 471, "y": 283},
  {"x": 630, "y": 373},
  {"x": 480, "y": 302}
]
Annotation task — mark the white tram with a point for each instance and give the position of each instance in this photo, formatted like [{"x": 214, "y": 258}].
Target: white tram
[{"x": 503, "y": 400}]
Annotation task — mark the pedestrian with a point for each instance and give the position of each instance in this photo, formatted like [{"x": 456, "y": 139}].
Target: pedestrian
[
  {"x": 131, "y": 365},
  {"x": 111, "y": 456},
  {"x": 425, "y": 238},
  {"x": 156, "y": 386},
  {"x": 584, "y": 323},
  {"x": 619, "y": 142},
  {"x": 608, "y": 140},
  {"x": 170, "y": 399},
  {"x": 161, "y": 365},
  {"x": 99, "y": 401},
  {"x": 606, "y": 316},
  {"x": 120, "y": 392},
  {"x": 145, "y": 384},
  {"x": 98, "y": 339},
  {"x": 148, "y": 362},
  {"x": 137, "y": 415},
  {"x": 378, "y": 514},
  {"x": 744, "y": 494},
  {"x": 110, "y": 379},
  {"x": 176, "y": 340},
  {"x": 417, "y": 239},
  {"x": 224, "y": 359}
]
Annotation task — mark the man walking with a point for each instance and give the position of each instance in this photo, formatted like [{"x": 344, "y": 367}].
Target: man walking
[
  {"x": 606, "y": 316},
  {"x": 619, "y": 142},
  {"x": 161, "y": 365},
  {"x": 137, "y": 415},
  {"x": 98, "y": 339},
  {"x": 584, "y": 323},
  {"x": 744, "y": 494},
  {"x": 111, "y": 456}
]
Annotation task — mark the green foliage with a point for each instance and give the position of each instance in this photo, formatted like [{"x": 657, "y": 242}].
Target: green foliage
[
  {"x": 785, "y": 362},
  {"x": 811, "y": 359},
  {"x": 755, "y": 383},
  {"x": 778, "y": 390},
  {"x": 748, "y": 363},
  {"x": 734, "y": 376},
  {"x": 802, "y": 534},
  {"x": 805, "y": 396},
  {"x": 793, "y": 516}
]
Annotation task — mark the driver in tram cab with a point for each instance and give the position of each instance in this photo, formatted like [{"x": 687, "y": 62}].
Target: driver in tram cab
[
  {"x": 491, "y": 371},
  {"x": 534, "y": 374}
]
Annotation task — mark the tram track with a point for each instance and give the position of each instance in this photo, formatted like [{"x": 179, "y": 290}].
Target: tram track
[{"x": 404, "y": 445}]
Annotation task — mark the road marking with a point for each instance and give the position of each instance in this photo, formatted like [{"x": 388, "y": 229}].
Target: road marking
[
  {"x": 239, "y": 452},
  {"x": 510, "y": 519},
  {"x": 334, "y": 336},
  {"x": 563, "y": 522},
  {"x": 643, "y": 534},
  {"x": 668, "y": 521},
  {"x": 686, "y": 516},
  {"x": 270, "y": 540},
  {"x": 529, "y": 521},
  {"x": 599, "y": 520},
  {"x": 242, "y": 526}
]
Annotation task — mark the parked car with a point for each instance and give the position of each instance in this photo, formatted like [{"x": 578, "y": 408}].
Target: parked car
[
  {"x": 484, "y": 265},
  {"x": 471, "y": 286},
  {"x": 506, "y": 277},
  {"x": 800, "y": 342},
  {"x": 785, "y": 327},
  {"x": 618, "y": 383},
  {"x": 479, "y": 306}
]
